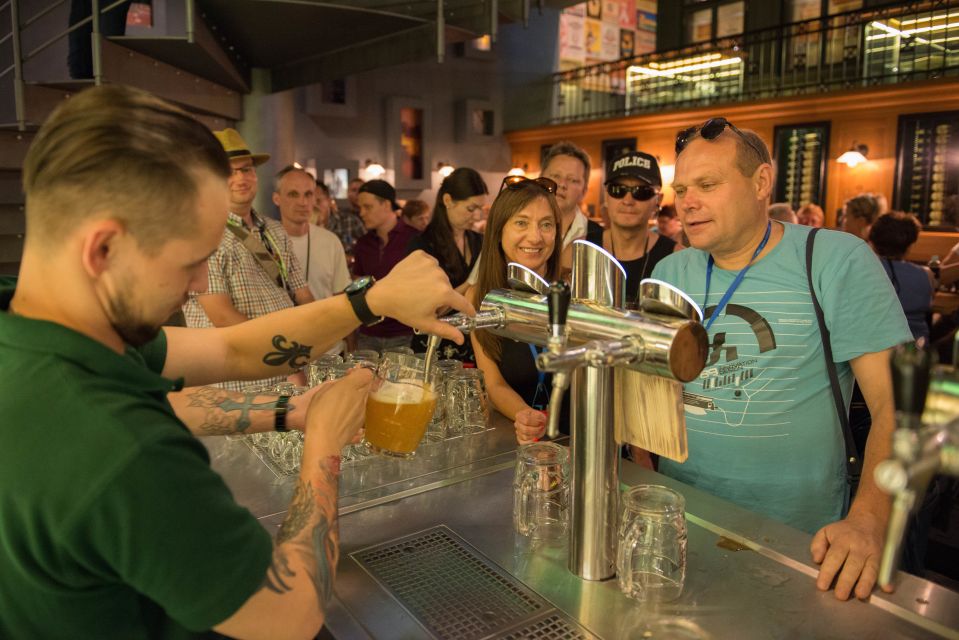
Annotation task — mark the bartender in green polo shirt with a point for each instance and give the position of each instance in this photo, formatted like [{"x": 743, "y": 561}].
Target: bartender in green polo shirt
[{"x": 112, "y": 524}]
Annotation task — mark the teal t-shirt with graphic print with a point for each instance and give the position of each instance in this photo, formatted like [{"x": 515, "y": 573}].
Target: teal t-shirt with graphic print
[{"x": 761, "y": 421}]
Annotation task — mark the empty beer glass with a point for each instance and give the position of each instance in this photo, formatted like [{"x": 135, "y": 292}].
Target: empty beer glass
[
  {"x": 541, "y": 491},
  {"x": 467, "y": 404},
  {"x": 651, "y": 560},
  {"x": 399, "y": 406}
]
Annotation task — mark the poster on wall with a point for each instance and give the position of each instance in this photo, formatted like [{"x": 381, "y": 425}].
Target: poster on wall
[
  {"x": 609, "y": 46},
  {"x": 611, "y": 11},
  {"x": 645, "y": 20},
  {"x": 572, "y": 40},
  {"x": 627, "y": 43},
  {"x": 411, "y": 143},
  {"x": 594, "y": 9},
  {"x": 594, "y": 38},
  {"x": 645, "y": 42},
  {"x": 627, "y": 14},
  {"x": 576, "y": 10}
]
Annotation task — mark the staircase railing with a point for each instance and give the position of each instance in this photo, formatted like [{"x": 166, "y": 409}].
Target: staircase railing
[{"x": 20, "y": 58}]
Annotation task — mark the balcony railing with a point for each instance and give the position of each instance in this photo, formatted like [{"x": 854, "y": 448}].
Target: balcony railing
[{"x": 918, "y": 41}]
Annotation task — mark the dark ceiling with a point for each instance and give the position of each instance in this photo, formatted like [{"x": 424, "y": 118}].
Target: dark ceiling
[{"x": 306, "y": 41}]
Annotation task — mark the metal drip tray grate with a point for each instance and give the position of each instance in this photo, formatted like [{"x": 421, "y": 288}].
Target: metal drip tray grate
[{"x": 453, "y": 591}]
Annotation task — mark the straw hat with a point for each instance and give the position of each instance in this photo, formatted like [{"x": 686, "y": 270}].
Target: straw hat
[{"x": 236, "y": 147}]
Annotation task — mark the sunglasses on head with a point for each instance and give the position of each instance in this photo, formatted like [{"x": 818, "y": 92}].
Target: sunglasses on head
[
  {"x": 641, "y": 192},
  {"x": 710, "y": 130},
  {"x": 518, "y": 182}
]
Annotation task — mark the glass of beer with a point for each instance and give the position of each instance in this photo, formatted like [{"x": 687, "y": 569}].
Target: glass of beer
[{"x": 399, "y": 407}]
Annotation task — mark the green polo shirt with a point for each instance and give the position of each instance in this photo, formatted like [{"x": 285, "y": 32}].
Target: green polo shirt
[{"x": 112, "y": 524}]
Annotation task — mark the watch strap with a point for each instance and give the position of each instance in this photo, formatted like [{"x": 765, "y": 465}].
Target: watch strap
[{"x": 362, "y": 309}]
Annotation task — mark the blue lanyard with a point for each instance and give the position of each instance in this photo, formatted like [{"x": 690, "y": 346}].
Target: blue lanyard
[{"x": 735, "y": 285}]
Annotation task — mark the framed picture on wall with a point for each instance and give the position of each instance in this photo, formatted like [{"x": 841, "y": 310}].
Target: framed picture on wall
[
  {"x": 927, "y": 168},
  {"x": 338, "y": 181},
  {"x": 615, "y": 148},
  {"x": 800, "y": 152},
  {"x": 407, "y": 142}
]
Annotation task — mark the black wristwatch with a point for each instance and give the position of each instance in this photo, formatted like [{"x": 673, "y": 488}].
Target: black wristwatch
[{"x": 356, "y": 294}]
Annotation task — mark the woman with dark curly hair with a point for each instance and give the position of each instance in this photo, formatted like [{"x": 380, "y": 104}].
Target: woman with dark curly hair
[{"x": 891, "y": 235}]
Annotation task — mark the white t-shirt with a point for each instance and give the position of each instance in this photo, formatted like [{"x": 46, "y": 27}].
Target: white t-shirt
[{"x": 320, "y": 253}]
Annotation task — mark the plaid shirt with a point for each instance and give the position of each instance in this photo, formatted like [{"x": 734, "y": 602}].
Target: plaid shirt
[
  {"x": 347, "y": 226},
  {"x": 234, "y": 271}
]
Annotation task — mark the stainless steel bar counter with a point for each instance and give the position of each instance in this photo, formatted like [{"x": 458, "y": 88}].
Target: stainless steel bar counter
[{"x": 435, "y": 555}]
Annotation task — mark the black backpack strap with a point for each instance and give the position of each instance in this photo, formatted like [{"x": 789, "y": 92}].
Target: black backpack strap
[{"x": 853, "y": 461}]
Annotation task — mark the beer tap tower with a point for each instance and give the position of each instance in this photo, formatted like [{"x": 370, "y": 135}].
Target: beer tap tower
[
  {"x": 926, "y": 442},
  {"x": 587, "y": 334}
]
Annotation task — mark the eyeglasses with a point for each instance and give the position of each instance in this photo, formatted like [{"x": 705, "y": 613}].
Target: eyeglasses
[
  {"x": 641, "y": 192},
  {"x": 518, "y": 182},
  {"x": 710, "y": 130}
]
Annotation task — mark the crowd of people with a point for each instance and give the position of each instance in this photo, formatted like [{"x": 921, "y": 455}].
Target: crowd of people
[{"x": 134, "y": 209}]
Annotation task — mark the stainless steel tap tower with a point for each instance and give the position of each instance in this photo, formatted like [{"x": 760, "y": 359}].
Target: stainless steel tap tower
[
  {"x": 583, "y": 345},
  {"x": 926, "y": 442}
]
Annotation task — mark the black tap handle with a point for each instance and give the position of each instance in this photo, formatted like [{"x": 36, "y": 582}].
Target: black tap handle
[
  {"x": 558, "y": 303},
  {"x": 911, "y": 369}
]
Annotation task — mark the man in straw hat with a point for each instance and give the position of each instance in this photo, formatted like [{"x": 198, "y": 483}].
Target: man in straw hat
[
  {"x": 113, "y": 524},
  {"x": 254, "y": 271}
]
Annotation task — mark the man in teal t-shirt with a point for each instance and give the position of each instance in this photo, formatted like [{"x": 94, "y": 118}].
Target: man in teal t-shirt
[
  {"x": 761, "y": 420},
  {"x": 112, "y": 524}
]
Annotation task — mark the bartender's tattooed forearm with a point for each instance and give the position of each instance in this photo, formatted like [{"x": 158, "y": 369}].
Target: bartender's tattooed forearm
[
  {"x": 309, "y": 530},
  {"x": 325, "y": 535},
  {"x": 292, "y": 353},
  {"x": 301, "y": 512},
  {"x": 278, "y": 573},
  {"x": 219, "y": 403}
]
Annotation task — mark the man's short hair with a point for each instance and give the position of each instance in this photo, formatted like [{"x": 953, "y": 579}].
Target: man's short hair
[
  {"x": 321, "y": 186},
  {"x": 567, "y": 148},
  {"x": 118, "y": 149},
  {"x": 751, "y": 151},
  {"x": 287, "y": 170},
  {"x": 863, "y": 206}
]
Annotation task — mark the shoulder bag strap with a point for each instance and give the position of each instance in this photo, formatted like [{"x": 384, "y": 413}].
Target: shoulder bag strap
[
  {"x": 261, "y": 254},
  {"x": 853, "y": 461}
]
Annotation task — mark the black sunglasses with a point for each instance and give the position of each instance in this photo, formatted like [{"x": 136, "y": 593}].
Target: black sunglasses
[
  {"x": 641, "y": 192},
  {"x": 518, "y": 182},
  {"x": 710, "y": 130}
]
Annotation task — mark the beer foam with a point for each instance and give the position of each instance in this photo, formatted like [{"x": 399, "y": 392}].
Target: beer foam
[{"x": 402, "y": 393}]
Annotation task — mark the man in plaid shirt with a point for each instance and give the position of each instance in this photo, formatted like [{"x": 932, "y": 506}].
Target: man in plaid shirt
[
  {"x": 254, "y": 271},
  {"x": 347, "y": 225}
]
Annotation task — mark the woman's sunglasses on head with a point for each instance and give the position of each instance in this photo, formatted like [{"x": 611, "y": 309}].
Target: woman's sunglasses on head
[
  {"x": 710, "y": 130},
  {"x": 519, "y": 182},
  {"x": 642, "y": 192}
]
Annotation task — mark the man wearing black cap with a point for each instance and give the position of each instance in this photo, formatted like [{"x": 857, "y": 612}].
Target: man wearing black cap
[
  {"x": 377, "y": 252},
  {"x": 633, "y": 189}
]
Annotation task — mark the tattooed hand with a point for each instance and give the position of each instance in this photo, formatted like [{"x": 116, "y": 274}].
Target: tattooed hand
[{"x": 336, "y": 413}]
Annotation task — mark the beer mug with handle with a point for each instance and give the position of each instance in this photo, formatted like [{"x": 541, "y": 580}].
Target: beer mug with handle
[
  {"x": 399, "y": 407},
  {"x": 651, "y": 560}
]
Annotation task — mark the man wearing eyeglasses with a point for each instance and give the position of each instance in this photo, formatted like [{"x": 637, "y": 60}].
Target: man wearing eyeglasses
[
  {"x": 769, "y": 436},
  {"x": 254, "y": 271},
  {"x": 633, "y": 189}
]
